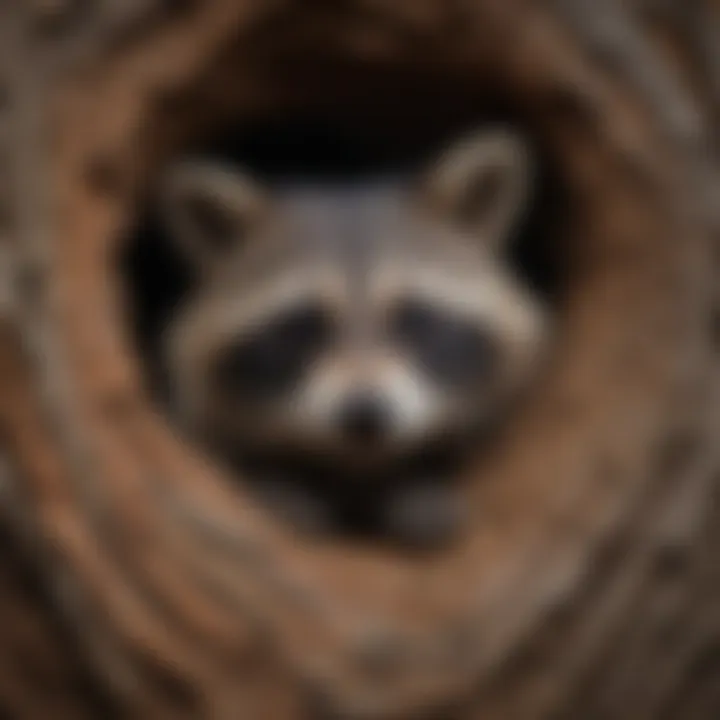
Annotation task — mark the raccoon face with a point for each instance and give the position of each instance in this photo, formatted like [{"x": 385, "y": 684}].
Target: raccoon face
[{"x": 355, "y": 322}]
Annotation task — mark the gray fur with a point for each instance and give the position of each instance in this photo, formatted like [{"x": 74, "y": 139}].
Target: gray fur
[{"x": 356, "y": 247}]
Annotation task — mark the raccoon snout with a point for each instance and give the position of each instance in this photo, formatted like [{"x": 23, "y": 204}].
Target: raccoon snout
[{"x": 364, "y": 418}]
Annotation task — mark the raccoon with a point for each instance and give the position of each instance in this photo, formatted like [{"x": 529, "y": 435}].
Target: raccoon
[{"x": 345, "y": 341}]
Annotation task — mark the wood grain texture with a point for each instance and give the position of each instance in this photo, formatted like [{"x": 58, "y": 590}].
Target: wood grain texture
[{"x": 137, "y": 580}]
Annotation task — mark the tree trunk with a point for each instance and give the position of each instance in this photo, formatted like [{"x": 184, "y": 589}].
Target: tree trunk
[{"x": 137, "y": 581}]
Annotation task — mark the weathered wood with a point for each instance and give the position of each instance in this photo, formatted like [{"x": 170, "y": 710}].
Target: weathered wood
[{"x": 136, "y": 580}]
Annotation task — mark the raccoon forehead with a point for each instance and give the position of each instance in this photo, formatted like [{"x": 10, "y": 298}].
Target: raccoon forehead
[
  {"x": 343, "y": 199},
  {"x": 354, "y": 228},
  {"x": 344, "y": 223}
]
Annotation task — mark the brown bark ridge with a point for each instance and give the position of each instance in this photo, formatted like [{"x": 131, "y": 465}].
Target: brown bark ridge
[{"x": 137, "y": 581}]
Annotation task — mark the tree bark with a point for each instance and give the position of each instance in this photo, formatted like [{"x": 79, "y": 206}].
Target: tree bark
[{"x": 136, "y": 580}]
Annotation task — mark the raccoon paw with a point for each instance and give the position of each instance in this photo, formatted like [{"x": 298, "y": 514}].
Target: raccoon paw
[
  {"x": 424, "y": 515},
  {"x": 295, "y": 506}
]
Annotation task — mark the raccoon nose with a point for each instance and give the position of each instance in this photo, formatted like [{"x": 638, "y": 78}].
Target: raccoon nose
[{"x": 364, "y": 418}]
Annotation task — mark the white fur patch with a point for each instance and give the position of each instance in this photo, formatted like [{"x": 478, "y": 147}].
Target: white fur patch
[{"x": 413, "y": 405}]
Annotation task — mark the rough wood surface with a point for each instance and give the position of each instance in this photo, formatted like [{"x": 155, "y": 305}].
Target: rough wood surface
[{"x": 135, "y": 580}]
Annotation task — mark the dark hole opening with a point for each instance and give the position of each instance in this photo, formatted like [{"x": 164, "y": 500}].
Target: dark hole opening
[{"x": 310, "y": 146}]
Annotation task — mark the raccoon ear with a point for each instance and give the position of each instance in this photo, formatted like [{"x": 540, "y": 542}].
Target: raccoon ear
[
  {"x": 209, "y": 209},
  {"x": 483, "y": 183}
]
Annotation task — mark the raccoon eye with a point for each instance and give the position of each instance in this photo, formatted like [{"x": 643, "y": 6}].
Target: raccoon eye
[
  {"x": 272, "y": 359},
  {"x": 451, "y": 349}
]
